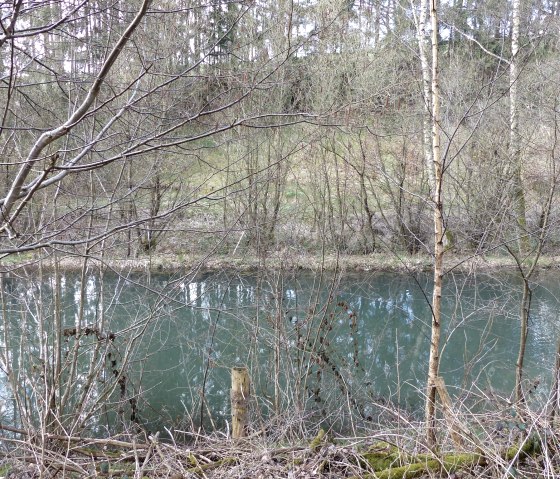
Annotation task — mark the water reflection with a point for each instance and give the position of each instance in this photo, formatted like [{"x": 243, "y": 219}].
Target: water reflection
[{"x": 308, "y": 342}]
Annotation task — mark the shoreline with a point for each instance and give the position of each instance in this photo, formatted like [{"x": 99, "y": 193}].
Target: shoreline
[{"x": 166, "y": 263}]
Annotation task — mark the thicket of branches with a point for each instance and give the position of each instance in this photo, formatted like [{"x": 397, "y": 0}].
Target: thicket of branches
[
  {"x": 133, "y": 128},
  {"x": 150, "y": 134}
]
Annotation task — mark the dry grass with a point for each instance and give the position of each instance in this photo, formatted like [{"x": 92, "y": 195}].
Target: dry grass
[{"x": 492, "y": 450}]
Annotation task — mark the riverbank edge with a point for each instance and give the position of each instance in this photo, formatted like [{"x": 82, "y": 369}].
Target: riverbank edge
[{"x": 282, "y": 261}]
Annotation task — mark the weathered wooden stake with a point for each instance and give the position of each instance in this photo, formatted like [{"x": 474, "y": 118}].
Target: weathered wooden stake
[{"x": 240, "y": 393}]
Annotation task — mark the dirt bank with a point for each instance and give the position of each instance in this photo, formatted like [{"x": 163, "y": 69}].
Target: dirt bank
[{"x": 287, "y": 260}]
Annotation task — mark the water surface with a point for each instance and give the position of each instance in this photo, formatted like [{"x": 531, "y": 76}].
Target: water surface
[{"x": 315, "y": 343}]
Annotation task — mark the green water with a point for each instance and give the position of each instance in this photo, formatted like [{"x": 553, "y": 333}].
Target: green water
[{"x": 327, "y": 347}]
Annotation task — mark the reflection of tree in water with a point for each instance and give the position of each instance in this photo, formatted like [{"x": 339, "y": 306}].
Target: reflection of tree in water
[{"x": 360, "y": 343}]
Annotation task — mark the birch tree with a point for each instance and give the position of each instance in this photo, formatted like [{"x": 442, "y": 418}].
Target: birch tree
[
  {"x": 423, "y": 46},
  {"x": 437, "y": 200}
]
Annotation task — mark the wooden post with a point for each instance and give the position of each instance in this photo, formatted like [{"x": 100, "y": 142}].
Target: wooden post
[{"x": 240, "y": 393}]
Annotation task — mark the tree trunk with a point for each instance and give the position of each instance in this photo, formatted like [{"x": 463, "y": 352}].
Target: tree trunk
[
  {"x": 427, "y": 116},
  {"x": 518, "y": 194},
  {"x": 527, "y": 292},
  {"x": 437, "y": 197},
  {"x": 524, "y": 316}
]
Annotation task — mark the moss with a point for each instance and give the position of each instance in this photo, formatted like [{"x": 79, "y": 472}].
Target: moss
[
  {"x": 5, "y": 470},
  {"x": 530, "y": 447},
  {"x": 382, "y": 456},
  {"x": 378, "y": 461},
  {"x": 388, "y": 463},
  {"x": 316, "y": 443},
  {"x": 191, "y": 459},
  {"x": 420, "y": 468},
  {"x": 450, "y": 463}
]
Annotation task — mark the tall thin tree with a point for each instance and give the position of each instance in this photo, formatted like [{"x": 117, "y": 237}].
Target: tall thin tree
[{"x": 437, "y": 199}]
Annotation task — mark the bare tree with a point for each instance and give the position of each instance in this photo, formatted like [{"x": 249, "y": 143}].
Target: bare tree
[
  {"x": 138, "y": 102},
  {"x": 105, "y": 117},
  {"x": 515, "y": 137},
  {"x": 437, "y": 199}
]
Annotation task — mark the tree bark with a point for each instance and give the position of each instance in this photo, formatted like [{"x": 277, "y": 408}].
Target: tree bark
[
  {"x": 437, "y": 198},
  {"x": 524, "y": 316},
  {"x": 518, "y": 195},
  {"x": 427, "y": 116}
]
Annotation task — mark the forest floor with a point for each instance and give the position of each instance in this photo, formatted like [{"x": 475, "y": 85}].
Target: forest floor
[{"x": 375, "y": 457}]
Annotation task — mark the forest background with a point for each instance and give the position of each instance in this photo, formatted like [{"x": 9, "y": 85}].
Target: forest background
[{"x": 253, "y": 127}]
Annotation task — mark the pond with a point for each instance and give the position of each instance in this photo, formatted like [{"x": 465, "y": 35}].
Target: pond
[{"x": 328, "y": 346}]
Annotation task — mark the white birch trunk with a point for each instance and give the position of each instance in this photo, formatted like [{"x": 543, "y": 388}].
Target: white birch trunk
[
  {"x": 426, "y": 88},
  {"x": 437, "y": 198}
]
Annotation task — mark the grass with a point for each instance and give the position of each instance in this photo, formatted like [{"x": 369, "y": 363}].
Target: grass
[{"x": 16, "y": 259}]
